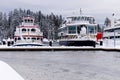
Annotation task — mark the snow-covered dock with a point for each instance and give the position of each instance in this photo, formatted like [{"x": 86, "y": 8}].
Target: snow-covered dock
[{"x": 58, "y": 48}]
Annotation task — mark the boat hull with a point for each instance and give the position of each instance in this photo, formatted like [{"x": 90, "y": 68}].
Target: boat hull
[
  {"x": 78, "y": 43},
  {"x": 28, "y": 45}
]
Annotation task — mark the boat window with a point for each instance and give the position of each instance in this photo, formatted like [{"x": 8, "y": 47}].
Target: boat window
[
  {"x": 28, "y": 29},
  {"x": 31, "y": 20},
  {"x": 78, "y": 18},
  {"x": 23, "y": 30},
  {"x": 41, "y": 39},
  {"x": 78, "y": 29},
  {"x": 91, "y": 29},
  {"x": 19, "y": 38},
  {"x": 28, "y": 38},
  {"x": 24, "y": 38},
  {"x": 15, "y": 39},
  {"x": 88, "y": 19},
  {"x": 85, "y": 18},
  {"x": 74, "y": 18},
  {"x": 95, "y": 29},
  {"x": 33, "y": 30},
  {"x": 72, "y": 29},
  {"x": 25, "y": 20},
  {"x": 63, "y": 29},
  {"x": 91, "y": 20},
  {"x": 33, "y": 38},
  {"x": 82, "y": 18},
  {"x": 38, "y": 38},
  {"x": 28, "y": 20}
]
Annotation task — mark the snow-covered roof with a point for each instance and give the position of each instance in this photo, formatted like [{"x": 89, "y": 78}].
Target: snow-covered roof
[
  {"x": 79, "y": 16},
  {"x": 28, "y": 17},
  {"x": 80, "y": 23}
]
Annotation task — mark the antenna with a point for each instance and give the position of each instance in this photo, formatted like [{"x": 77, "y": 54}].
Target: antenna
[
  {"x": 113, "y": 20},
  {"x": 80, "y": 11}
]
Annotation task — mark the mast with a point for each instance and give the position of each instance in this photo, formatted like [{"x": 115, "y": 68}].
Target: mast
[
  {"x": 113, "y": 20},
  {"x": 80, "y": 11}
]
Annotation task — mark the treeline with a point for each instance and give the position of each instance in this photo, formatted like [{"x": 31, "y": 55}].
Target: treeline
[{"x": 49, "y": 23}]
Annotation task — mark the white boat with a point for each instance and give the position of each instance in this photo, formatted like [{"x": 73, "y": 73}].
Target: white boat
[
  {"x": 78, "y": 30},
  {"x": 113, "y": 30},
  {"x": 28, "y": 34},
  {"x": 111, "y": 33}
]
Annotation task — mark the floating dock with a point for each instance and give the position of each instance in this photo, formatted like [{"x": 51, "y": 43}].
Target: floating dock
[{"x": 57, "y": 48}]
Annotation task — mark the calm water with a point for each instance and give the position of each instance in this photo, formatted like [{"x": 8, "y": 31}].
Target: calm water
[{"x": 71, "y": 65}]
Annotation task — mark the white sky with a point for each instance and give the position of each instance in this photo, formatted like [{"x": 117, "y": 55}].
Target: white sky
[{"x": 100, "y": 9}]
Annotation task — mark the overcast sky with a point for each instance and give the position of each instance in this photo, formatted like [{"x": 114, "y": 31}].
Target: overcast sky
[{"x": 100, "y": 9}]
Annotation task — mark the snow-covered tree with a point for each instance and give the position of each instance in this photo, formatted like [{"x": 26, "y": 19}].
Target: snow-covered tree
[
  {"x": 107, "y": 22},
  {"x": 8, "y": 22}
]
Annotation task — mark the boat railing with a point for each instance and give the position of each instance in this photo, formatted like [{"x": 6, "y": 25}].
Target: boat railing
[
  {"x": 72, "y": 22},
  {"x": 111, "y": 34}
]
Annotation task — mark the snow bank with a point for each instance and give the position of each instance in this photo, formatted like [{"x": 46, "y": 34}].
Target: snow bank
[{"x": 7, "y": 73}]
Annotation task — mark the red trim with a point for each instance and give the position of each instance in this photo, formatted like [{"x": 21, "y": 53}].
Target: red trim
[
  {"x": 27, "y": 27},
  {"x": 28, "y": 36}
]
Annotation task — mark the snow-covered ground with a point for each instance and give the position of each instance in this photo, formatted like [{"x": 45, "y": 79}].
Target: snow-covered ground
[
  {"x": 8, "y": 73},
  {"x": 65, "y": 65}
]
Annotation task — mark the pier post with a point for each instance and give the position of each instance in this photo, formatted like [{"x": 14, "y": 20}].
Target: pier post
[
  {"x": 50, "y": 43},
  {"x": 114, "y": 39}
]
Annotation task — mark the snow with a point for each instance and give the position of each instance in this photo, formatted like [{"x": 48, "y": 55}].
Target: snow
[
  {"x": 45, "y": 40},
  {"x": 7, "y": 73}
]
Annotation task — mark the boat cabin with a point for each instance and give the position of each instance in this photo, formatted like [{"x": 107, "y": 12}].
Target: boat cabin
[
  {"x": 80, "y": 25},
  {"x": 28, "y": 32}
]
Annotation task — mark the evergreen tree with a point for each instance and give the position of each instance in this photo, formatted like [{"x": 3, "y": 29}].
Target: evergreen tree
[
  {"x": 9, "y": 22},
  {"x": 107, "y": 22}
]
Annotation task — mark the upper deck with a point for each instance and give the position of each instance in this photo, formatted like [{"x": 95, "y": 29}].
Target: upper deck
[
  {"x": 81, "y": 19},
  {"x": 76, "y": 20},
  {"x": 28, "y": 21},
  {"x": 28, "y": 27}
]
